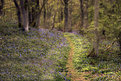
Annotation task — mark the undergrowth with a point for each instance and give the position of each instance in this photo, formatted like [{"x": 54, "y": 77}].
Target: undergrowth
[{"x": 37, "y": 55}]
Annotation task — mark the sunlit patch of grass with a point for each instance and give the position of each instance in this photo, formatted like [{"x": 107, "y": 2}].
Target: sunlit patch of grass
[
  {"x": 35, "y": 55},
  {"x": 106, "y": 67}
]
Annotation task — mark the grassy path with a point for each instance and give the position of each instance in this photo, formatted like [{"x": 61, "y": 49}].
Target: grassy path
[
  {"x": 75, "y": 76},
  {"x": 83, "y": 68}
]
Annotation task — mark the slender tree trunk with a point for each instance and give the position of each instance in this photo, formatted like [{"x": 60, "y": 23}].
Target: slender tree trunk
[
  {"x": 53, "y": 23},
  {"x": 39, "y": 13},
  {"x": 44, "y": 15},
  {"x": 60, "y": 18},
  {"x": 66, "y": 15},
  {"x": 82, "y": 13},
  {"x": 34, "y": 12},
  {"x": 70, "y": 17},
  {"x": 36, "y": 17},
  {"x": 61, "y": 14},
  {"x": 38, "y": 21},
  {"x": 1, "y": 6},
  {"x": 25, "y": 18},
  {"x": 95, "y": 51},
  {"x": 85, "y": 23},
  {"x": 18, "y": 14},
  {"x": 120, "y": 40},
  {"x": 30, "y": 12},
  {"x": 96, "y": 15}
]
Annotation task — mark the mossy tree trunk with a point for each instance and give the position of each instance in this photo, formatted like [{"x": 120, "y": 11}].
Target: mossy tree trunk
[{"x": 95, "y": 50}]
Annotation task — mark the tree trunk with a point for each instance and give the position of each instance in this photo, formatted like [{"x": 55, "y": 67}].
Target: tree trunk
[
  {"x": 30, "y": 16},
  {"x": 37, "y": 14},
  {"x": 61, "y": 14},
  {"x": 1, "y": 6},
  {"x": 95, "y": 51},
  {"x": 66, "y": 15},
  {"x": 81, "y": 13},
  {"x": 53, "y": 23},
  {"x": 18, "y": 13},
  {"x": 96, "y": 15},
  {"x": 120, "y": 40},
  {"x": 24, "y": 10},
  {"x": 85, "y": 23},
  {"x": 38, "y": 21},
  {"x": 70, "y": 17},
  {"x": 44, "y": 15},
  {"x": 33, "y": 12}
]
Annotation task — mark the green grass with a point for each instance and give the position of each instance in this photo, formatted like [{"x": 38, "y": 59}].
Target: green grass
[
  {"x": 104, "y": 68},
  {"x": 38, "y": 55}
]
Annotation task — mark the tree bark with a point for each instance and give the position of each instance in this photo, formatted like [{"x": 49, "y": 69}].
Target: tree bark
[
  {"x": 66, "y": 15},
  {"x": 85, "y": 22},
  {"x": 1, "y": 6},
  {"x": 33, "y": 11},
  {"x": 53, "y": 23},
  {"x": 61, "y": 14},
  {"x": 95, "y": 51},
  {"x": 70, "y": 17},
  {"x": 44, "y": 15},
  {"x": 39, "y": 13},
  {"x": 120, "y": 40},
  {"x": 36, "y": 15},
  {"x": 24, "y": 10},
  {"x": 18, "y": 13},
  {"x": 96, "y": 15},
  {"x": 81, "y": 13}
]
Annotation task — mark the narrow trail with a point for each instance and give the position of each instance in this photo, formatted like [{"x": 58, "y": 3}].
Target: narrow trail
[{"x": 75, "y": 76}]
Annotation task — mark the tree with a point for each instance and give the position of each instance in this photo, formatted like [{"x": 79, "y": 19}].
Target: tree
[
  {"x": 24, "y": 11},
  {"x": 96, "y": 16},
  {"x": 82, "y": 13},
  {"x": 1, "y": 6},
  {"x": 66, "y": 15},
  {"x": 33, "y": 12},
  {"x": 38, "y": 14},
  {"x": 120, "y": 40},
  {"x": 61, "y": 15},
  {"x": 95, "y": 51},
  {"x": 18, "y": 13},
  {"x": 44, "y": 15},
  {"x": 70, "y": 10},
  {"x": 85, "y": 25}
]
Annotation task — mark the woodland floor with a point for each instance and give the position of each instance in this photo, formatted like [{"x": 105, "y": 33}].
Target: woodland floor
[
  {"x": 80, "y": 68},
  {"x": 74, "y": 75},
  {"x": 43, "y": 55},
  {"x": 72, "y": 72}
]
